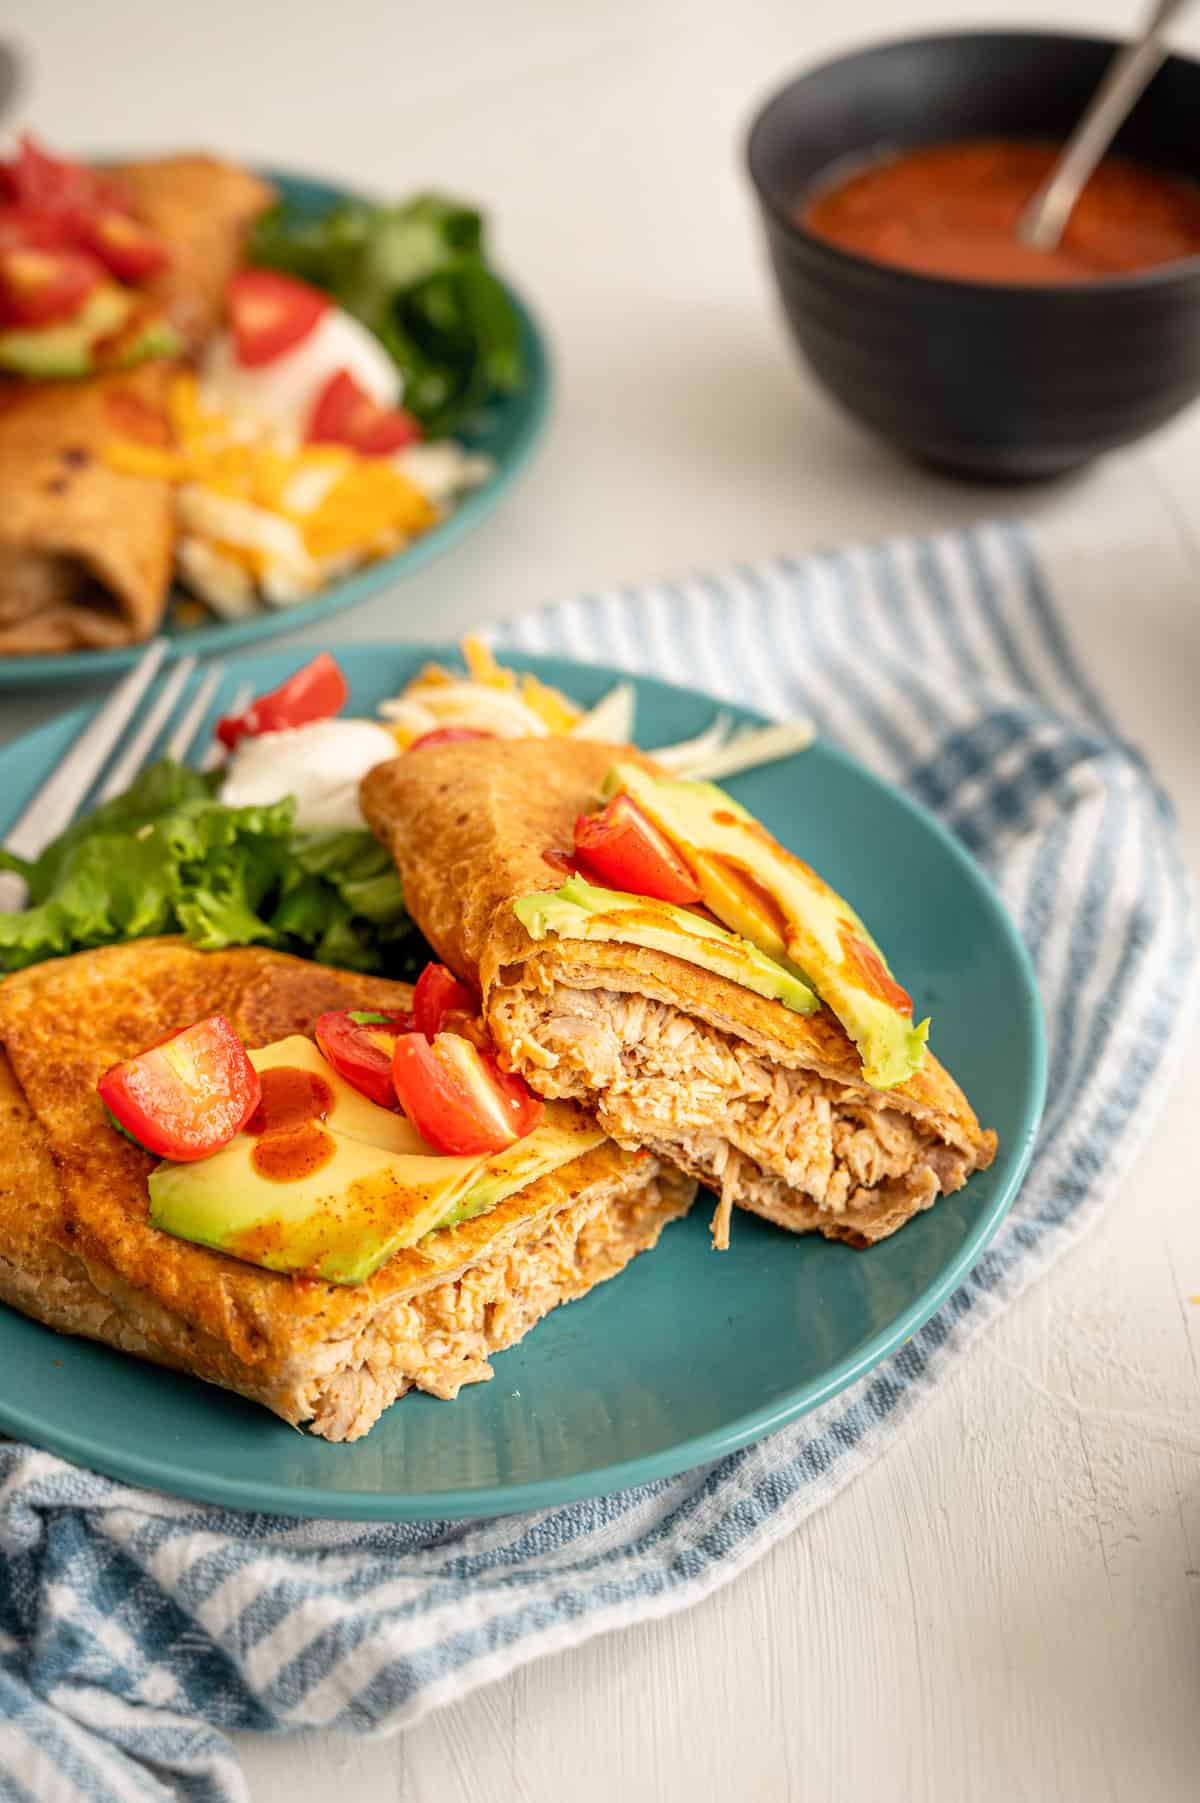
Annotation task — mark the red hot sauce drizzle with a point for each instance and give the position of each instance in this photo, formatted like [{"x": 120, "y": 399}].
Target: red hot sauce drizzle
[{"x": 292, "y": 1143}]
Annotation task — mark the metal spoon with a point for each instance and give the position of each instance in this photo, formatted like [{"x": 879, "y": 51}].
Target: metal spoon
[
  {"x": 1044, "y": 220},
  {"x": 11, "y": 75}
]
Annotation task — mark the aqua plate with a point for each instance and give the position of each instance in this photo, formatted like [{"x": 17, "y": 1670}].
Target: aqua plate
[
  {"x": 687, "y": 1354},
  {"x": 506, "y": 430}
]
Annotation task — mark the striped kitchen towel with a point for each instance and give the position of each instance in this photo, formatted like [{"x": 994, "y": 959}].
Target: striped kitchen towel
[{"x": 136, "y": 1631}]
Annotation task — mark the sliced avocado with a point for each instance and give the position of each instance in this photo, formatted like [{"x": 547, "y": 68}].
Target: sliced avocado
[
  {"x": 579, "y": 910},
  {"x": 372, "y": 1187},
  {"x": 158, "y": 338},
  {"x": 67, "y": 349},
  {"x": 562, "y": 1134},
  {"x": 757, "y": 887},
  {"x": 350, "y": 1113},
  {"x": 341, "y": 1222}
]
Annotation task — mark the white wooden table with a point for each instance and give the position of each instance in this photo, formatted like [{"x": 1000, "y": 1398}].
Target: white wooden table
[{"x": 1008, "y": 1605}]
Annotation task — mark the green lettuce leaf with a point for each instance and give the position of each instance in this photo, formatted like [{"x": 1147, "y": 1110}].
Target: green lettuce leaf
[{"x": 168, "y": 857}]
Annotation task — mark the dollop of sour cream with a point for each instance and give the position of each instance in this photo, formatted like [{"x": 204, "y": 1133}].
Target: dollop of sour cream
[
  {"x": 321, "y": 765},
  {"x": 281, "y": 394}
]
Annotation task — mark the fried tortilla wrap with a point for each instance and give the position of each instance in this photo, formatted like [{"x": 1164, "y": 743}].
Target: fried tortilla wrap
[
  {"x": 86, "y": 550},
  {"x": 202, "y": 209},
  {"x": 78, "y": 1250},
  {"x": 766, "y": 1105}
]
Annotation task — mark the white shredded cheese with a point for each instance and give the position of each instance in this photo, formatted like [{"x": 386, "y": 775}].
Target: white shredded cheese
[
  {"x": 611, "y": 719},
  {"x": 753, "y": 747}
]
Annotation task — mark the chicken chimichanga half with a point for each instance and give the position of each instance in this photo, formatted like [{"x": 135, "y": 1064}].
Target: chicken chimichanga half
[
  {"x": 685, "y": 1036},
  {"x": 80, "y": 1248}
]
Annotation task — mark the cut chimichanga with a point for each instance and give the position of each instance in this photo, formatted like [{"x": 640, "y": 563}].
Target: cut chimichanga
[
  {"x": 80, "y": 1250},
  {"x": 686, "y": 1037}
]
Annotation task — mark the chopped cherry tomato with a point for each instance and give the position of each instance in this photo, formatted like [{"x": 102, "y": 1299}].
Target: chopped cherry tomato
[
  {"x": 627, "y": 851},
  {"x": 449, "y": 735},
  {"x": 186, "y": 1097},
  {"x": 344, "y": 413},
  {"x": 270, "y": 313},
  {"x": 561, "y": 860},
  {"x": 458, "y": 1098},
  {"x": 125, "y": 246},
  {"x": 439, "y": 995},
  {"x": 315, "y": 692},
  {"x": 59, "y": 184},
  {"x": 359, "y": 1046},
  {"x": 31, "y": 228},
  {"x": 39, "y": 286}
]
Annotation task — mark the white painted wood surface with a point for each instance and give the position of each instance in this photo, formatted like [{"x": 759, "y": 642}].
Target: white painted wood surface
[{"x": 1007, "y": 1606}]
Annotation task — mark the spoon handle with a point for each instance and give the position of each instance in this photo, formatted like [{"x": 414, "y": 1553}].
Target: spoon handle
[{"x": 1044, "y": 219}]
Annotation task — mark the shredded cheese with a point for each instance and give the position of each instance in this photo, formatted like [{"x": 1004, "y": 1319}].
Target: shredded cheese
[
  {"x": 291, "y": 517},
  {"x": 489, "y": 698}
]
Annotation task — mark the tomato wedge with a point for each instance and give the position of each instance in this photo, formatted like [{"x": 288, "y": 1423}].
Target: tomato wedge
[
  {"x": 59, "y": 184},
  {"x": 124, "y": 245},
  {"x": 39, "y": 286},
  {"x": 187, "y": 1096},
  {"x": 458, "y": 1098},
  {"x": 439, "y": 998},
  {"x": 31, "y": 228},
  {"x": 449, "y": 735},
  {"x": 315, "y": 692},
  {"x": 359, "y": 1045},
  {"x": 270, "y": 313},
  {"x": 344, "y": 413},
  {"x": 626, "y": 851}
]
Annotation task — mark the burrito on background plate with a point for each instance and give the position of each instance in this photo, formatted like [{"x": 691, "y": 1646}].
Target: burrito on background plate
[
  {"x": 86, "y": 550},
  {"x": 353, "y": 1264},
  {"x": 202, "y": 208},
  {"x": 758, "y": 1040}
]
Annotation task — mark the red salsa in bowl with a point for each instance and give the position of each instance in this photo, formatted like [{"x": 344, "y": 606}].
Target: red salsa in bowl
[{"x": 951, "y": 210}]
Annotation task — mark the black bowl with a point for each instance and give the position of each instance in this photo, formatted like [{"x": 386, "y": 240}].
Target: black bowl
[{"x": 997, "y": 381}]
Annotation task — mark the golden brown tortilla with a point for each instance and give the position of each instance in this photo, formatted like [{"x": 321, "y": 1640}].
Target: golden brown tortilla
[
  {"x": 85, "y": 550},
  {"x": 202, "y": 209}
]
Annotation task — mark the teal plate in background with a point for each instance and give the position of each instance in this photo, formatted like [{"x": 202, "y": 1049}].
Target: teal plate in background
[
  {"x": 507, "y": 430},
  {"x": 689, "y": 1353}
]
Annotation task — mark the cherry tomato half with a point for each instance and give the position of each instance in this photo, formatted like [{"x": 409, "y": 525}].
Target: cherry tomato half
[
  {"x": 344, "y": 413},
  {"x": 626, "y": 851},
  {"x": 449, "y": 735},
  {"x": 38, "y": 287},
  {"x": 270, "y": 313},
  {"x": 186, "y": 1097},
  {"x": 57, "y": 184},
  {"x": 359, "y": 1045},
  {"x": 31, "y": 228},
  {"x": 438, "y": 994},
  {"x": 315, "y": 692},
  {"x": 125, "y": 246},
  {"x": 458, "y": 1098}
]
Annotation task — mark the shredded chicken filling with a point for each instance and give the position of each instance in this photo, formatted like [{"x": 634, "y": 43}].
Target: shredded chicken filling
[
  {"x": 786, "y": 1142},
  {"x": 443, "y": 1338}
]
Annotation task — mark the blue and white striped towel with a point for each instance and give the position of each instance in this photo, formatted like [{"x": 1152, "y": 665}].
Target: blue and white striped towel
[{"x": 135, "y": 1631}]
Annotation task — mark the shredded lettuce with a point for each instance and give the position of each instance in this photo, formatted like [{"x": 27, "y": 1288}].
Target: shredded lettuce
[{"x": 168, "y": 857}]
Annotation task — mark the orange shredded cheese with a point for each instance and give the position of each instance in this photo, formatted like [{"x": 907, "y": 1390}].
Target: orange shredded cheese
[
  {"x": 549, "y": 705},
  {"x": 343, "y": 504},
  {"x": 483, "y": 667}
]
